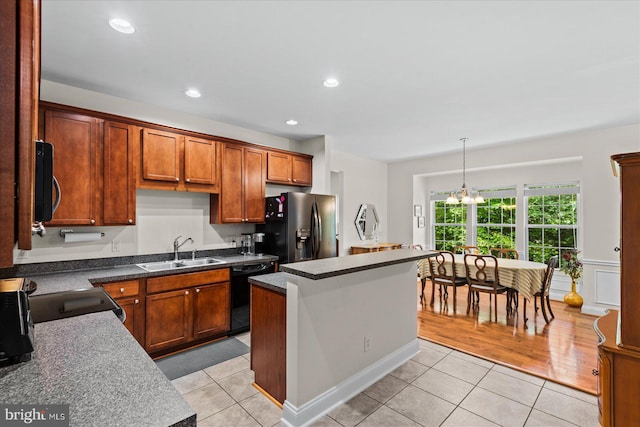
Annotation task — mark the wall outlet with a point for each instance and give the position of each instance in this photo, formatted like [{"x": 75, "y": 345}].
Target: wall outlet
[
  {"x": 115, "y": 246},
  {"x": 367, "y": 344}
]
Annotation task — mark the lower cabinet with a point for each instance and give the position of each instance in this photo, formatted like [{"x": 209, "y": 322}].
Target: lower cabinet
[
  {"x": 184, "y": 308},
  {"x": 128, "y": 295},
  {"x": 269, "y": 341}
]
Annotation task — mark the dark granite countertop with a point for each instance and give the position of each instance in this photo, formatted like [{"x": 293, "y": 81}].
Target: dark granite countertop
[
  {"x": 331, "y": 267},
  {"x": 92, "y": 362},
  {"x": 275, "y": 281}
]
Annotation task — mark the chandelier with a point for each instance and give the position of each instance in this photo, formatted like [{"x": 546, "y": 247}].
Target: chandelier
[{"x": 467, "y": 197}]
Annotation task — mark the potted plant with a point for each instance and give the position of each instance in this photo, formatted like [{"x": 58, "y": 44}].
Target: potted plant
[{"x": 572, "y": 267}]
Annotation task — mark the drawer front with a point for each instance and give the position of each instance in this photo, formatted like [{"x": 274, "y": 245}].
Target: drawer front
[
  {"x": 129, "y": 288},
  {"x": 179, "y": 281}
]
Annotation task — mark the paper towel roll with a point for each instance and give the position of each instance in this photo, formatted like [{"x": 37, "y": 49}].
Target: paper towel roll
[{"x": 81, "y": 237}]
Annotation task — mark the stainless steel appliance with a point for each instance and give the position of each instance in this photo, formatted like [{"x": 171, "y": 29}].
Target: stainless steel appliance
[
  {"x": 258, "y": 243},
  {"x": 300, "y": 227},
  {"x": 240, "y": 293},
  {"x": 44, "y": 183},
  {"x": 16, "y": 333}
]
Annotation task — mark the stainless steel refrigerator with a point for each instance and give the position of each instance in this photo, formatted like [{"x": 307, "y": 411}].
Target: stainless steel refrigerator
[{"x": 300, "y": 227}]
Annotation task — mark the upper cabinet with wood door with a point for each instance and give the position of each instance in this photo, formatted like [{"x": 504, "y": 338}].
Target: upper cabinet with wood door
[
  {"x": 77, "y": 147},
  {"x": 170, "y": 161},
  {"x": 242, "y": 191},
  {"x": 290, "y": 169},
  {"x": 119, "y": 181}
]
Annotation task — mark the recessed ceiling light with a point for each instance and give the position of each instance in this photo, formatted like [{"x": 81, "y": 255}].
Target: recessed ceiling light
[
  {"x": 122, "y": 26},
  {"x": 291, "y": 122},
  {"x": 193, "y": 93},
  {"x": 331, "y": 82}
]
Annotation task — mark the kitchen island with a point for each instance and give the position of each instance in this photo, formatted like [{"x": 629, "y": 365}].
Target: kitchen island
[{"x": 349, "y": 322}]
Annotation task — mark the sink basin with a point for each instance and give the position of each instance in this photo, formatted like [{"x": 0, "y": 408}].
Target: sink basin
[{"x": 183, "y": 263}]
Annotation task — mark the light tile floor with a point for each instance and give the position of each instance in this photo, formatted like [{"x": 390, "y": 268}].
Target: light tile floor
[{"x": 438, "y": 387}]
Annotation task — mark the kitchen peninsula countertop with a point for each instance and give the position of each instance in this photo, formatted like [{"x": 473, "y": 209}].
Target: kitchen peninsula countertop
[
  {"x": 92, "y": 363},
  {"x": 332, "y": 267}
]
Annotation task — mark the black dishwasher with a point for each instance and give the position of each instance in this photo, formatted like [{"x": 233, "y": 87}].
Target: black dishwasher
[{"x": 240, "y": 292}]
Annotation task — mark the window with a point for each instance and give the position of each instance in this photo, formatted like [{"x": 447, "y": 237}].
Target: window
[
  {"x": 552, "y": 220},
  {"x": 449, "y": 224},
  {"x": 488, "y": 225},
  {"x": 496, "y": 220}
]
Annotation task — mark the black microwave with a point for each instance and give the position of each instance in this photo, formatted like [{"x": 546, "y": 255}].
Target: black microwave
[{"x": 45, "y": 183}]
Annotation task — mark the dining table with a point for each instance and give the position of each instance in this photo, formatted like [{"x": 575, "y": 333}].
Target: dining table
[{"x": 523, "y": 276}]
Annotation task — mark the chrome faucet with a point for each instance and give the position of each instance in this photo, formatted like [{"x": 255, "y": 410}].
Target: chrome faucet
[{"x": 177, "y": 246}]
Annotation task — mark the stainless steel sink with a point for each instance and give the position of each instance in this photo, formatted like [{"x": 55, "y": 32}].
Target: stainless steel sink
[{"x": 183, "y": 263}]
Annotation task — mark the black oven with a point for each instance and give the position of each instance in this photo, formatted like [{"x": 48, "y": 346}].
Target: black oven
[{"x": 240, "y": 292}]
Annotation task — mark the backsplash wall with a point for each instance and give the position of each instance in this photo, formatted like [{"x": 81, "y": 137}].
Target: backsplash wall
[{"x": 161, "y": 216}]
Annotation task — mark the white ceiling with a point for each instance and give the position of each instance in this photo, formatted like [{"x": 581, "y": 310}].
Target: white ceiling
[{"x": 415, "y": 76}]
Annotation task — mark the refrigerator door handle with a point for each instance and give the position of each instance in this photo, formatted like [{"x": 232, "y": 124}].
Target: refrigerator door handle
[
  {"x": 314, "y": 231},
  {"x": 319, "y": 228}
]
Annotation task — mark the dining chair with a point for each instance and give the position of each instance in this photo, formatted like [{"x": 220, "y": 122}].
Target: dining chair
[
  {"x": 504, "y": 253},
  {"x": 463, "y": 249},
  {"x": 424, "y": 274},
  {"x": 416, "y": 247},
  {"x": 443, "y": 274},
  {"x": 543, "y": 293},
  {"x": 482, "y": 276}
]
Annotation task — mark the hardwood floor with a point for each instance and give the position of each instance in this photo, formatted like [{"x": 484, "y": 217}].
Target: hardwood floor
[{"x": 563, "y": 351}]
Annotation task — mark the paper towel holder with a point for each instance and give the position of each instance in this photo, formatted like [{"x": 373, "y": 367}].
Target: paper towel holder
[{"x": 69, "y": 231}]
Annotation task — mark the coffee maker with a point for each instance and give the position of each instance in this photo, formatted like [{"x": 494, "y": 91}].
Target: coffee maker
[
  {"x": 16, "y": 334},
  {"x": 258, "y": 243}
]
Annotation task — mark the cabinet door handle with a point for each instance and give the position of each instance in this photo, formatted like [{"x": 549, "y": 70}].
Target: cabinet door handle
[
  {"x": 595, "y": 372},
  {"x": 130, "y": 221},
  {"x": 177, "y": 179},
  {"x": 186, "y": 292},
  {"x": 122, "y": 290},
  {"x": 188, "y": 180},
  {"x": 197, "y": 290},
  {"x": 137, "y": 301},
  {"x": 295, "y": 180},
  {"x": 93, "y": 221}
]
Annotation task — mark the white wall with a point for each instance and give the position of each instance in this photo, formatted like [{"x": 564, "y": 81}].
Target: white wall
[
  {"x": 507, "y": 163},
  {"x": 364, "y": 181}
]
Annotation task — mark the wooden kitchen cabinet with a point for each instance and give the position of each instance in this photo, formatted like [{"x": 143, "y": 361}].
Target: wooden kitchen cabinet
[
  {"x": 185, "y": 309},
  {"x": 290, "y": 169},
  {"x": 119, "y": 181},
  {"x": 269, "y": 341},
  {"x": 77, "y": 144},
  {"x": 129, "y": 296},
  {"x": 242, "y": 190},
  {"x": 171, "y": 161}
]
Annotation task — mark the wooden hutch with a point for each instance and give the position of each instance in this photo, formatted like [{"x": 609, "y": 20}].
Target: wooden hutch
[{"x": 619, "y": 331}]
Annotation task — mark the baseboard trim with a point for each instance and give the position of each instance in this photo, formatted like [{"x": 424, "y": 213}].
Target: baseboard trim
[
  {"x": 312, "y": 410},
  {"x": 593, "y": 310}
]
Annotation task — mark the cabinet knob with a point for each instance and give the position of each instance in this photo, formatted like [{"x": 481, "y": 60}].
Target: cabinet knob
[
  {"x": 295, "y": 180},
  {"x": 130, "y": 221},
  {"x": 122, "y": 290},
  {"x": 177, "y": 179},
  {"x": 595, "y": 372},
  {"x": 137, "y": 301},
  {"x": 289, "y": 179},
  {"x": 186, "y": 292},
  {"x": 197, "y": 290},
  {"x": 188, "y": 180},
  {"x": 93, "y": 221}
]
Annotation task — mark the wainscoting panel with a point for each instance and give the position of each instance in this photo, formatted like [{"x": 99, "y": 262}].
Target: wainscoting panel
[{"x": 607, "y": 285}]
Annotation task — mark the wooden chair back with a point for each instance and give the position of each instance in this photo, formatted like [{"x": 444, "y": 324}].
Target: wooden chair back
[
  {"x": 463, "y": 249},
  {"x": 442, "y": 267},
  {"x": 482, "y": 270},
  {"x": 416, "y": 247},
  {"x": 504, "y": 253},
  {"x": 548, "y": 275}
]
